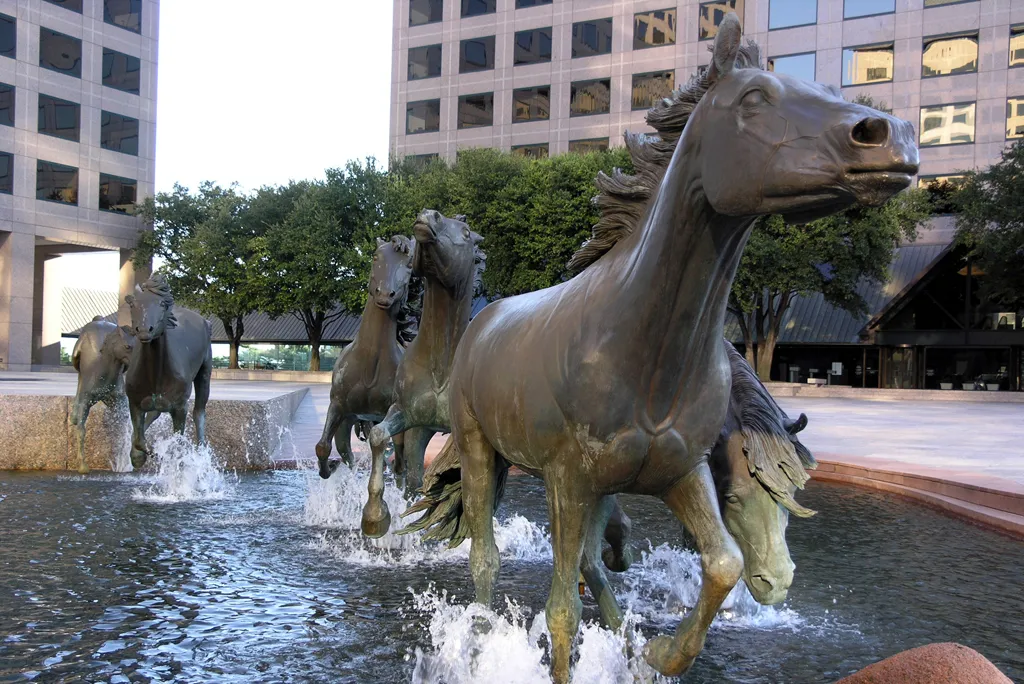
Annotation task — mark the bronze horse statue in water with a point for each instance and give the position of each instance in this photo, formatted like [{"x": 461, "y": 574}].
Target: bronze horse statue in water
[
  {"x": 171, "y": 355},
  {"x": 100, "y": 356},
  {"x": 448, "y": 258},
  {"x": 363, "y": 381},
  {"x": 617, "y": 380}
]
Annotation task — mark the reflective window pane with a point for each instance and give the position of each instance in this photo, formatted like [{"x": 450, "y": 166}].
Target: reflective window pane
[
  {"x": 418, "y": 162},
  {"x": 798, "y": 66},
  {"x": 73, "y": 5},
  {"x": 711, "y": 15},
  {"x": 947, "y": 125},
  {"x": 121, "y": 71},
  {"x": 868, "y": 64},
  {"x": 783, "y": 13},
  {"x": 476, "y": 54},
  {"x": 1015, "y": 117},
  {"x": 533, "y": 46},
  {"x": 473, "y": 8},
  {"x": 531, "y": 104},
  {"x": 865, "y": 8},
  {"x": 117, "y": 194},
  {"x": 476, "y": 111},
  {"x": 59, "y": 118},
  {"x": 951, "y": 55},
  {"x": 423, "y": 116},
  {"x": 520, "y": 4},
  {"x": 7, "y": 173},
  {"x": 59, "y": 52},
  {"x": 588, "y": 146},
  {"x": 649, "y": 89},
  {"x": 1017, "y": 46},
  {"x": 590, "y": 97},
  {"x": 651, "y": 29},
  {"x": 8, "y": 36},
  {"x": 6, "y": 105},
  {"x": 56, "y": 182},
  {"x": 929, "y": 181},
  {"x": 119, "y": 133},
  {"x": 592, "y": 38},
  {"x": 124, "y": 13},
  {"x": 425, "y": 11},
  {"x": 424, "y": 62},
  {"x": 937, "y": 3},
  {"x": 537, "y": 151}
]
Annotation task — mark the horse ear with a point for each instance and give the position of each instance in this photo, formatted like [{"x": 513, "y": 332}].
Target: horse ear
[
  {"x": 129, "y": 299},
  {"x": 727, "y": 46},
  {"x": 795, "y": 426}
]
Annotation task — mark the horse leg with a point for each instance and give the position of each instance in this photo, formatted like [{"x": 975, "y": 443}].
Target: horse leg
[
  {"x": 138, "y": 452},
  {"x": 571, "y": 512},
  {"x": 343, "y": 442},
  {"x": 618, "y": 557},
  {"x": 416, "y": 447},
  {"x": 695, "y": 503},
  {"x": 376, "y": 518},
  {"x": 335, "y": 417},
  {"x": 83, "y": 467},
  {"x": 479, "y": 472},
  {"x": 398, "y": 441},
  {"x": 592, "y": 568},
  {"x": 178, "y": 416},
  {"x": 202, "y": 387}
]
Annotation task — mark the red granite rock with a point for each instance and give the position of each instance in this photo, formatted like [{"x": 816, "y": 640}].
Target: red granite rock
[{"x": 932, "y": 664}]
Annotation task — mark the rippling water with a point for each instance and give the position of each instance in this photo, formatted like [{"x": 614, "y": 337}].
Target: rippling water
[{"x": 267, "y": 579}]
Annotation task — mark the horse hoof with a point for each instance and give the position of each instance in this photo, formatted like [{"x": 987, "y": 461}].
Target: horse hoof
[
  {"x": 376, "y": 520},
  {"x": 327, "y": 468},
  {"x": 663, "y": 655},
  {"x": 138, "y": 459},
  {"x": 617, "y": 560}
]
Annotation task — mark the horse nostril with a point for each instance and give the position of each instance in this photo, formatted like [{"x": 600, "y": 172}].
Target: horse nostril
[
  {"x": 392, "y": 294},
  {"x": 150, "y": 328},
  {"x": 873, "y": 131}
]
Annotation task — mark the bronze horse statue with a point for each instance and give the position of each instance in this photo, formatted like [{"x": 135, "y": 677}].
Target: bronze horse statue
[
  {"x": 363, "y": 381},
  {"x": 448, "y": 258},
  {"x": 172, "y": 354},
  {"x": 617, "y": 380},
  {"x": 100, "y": 356}
]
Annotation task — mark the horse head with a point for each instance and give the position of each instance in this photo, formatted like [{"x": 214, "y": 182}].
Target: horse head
[
  {"x": 806, "y": 152},
  {"x": 447, "y": 251},
  {"x": 391, "y": 272},
  {"x": 100, "y": 356},
  {"x": 152, "y": 310}
]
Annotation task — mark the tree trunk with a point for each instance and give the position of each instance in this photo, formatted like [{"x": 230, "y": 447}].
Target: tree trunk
[
  {"x": 234, "y": 327},
  {"x": 233, "y": 356},
  {"x": 766, "y": 349},
  {"x": 748, "y": 339},
  {"x": 315, "y": 330}
]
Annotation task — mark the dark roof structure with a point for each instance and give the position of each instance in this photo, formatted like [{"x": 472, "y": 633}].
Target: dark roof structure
[{"x": 287, "y": 329}]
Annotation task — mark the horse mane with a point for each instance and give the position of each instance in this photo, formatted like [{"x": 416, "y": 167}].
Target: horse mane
[
  {"x": 772, "y": 452},
  {"x": 623, "y": 198},
  {"x": 479, "y": 262},
  {"x": 409, "y": 314},
  {"x": 157, "y": 285}
]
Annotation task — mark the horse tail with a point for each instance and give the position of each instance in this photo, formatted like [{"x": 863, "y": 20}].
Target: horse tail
[{"x": 444, "y": 517}]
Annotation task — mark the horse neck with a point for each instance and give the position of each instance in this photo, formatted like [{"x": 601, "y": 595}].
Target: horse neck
[
  {"x": 445, "y": 317},
  {"x": 377, "y": 329},
  {"x": 149, "y": 360}
]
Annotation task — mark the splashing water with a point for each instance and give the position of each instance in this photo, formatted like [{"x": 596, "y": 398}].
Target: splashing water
[
  {"x": 185, "y": 472},
  {"x": 120, "y": 460}
]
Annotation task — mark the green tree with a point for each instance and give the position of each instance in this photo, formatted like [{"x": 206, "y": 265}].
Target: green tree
[
  {"x": 990, "y": 224},
  {"x": 204, "y": 240},
  {"x": 830, "y": 256}
]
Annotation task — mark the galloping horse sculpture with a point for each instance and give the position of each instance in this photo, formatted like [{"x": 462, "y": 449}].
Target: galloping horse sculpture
[
  {"x": 363, "y": 382},
  {"x": 172, "y": 354},
  {"x": 617, "y": 380},
  {"x": 449, "y": 259},
  {"x": 100, "y": 356}
]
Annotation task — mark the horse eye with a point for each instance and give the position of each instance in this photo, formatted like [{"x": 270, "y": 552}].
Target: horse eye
[
  {"x": 732, "y": 499},
  {"x": 465, "y": 232},
  {"x": 753, "y": 98}
]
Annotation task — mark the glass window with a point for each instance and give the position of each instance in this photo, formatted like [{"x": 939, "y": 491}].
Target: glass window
[
  {"x": 588, "y": 146},
  {"x": 937, "y": 3},
  {"x": 651, "y": 29},
  {"x": 418, "y": 162},
  {"x": 712, "y": 14},
  {"x": 117, "y": 194},
  {"x": 473, "y": 8},
  {"x": 424, "y": 62},
  {"x": 423, "y": 116},
  {"x": 425, "y": 11},
  {"x": 531, "y": 104},
  {"x": 950, "y": 55},
  {"x": 59, "y": 118},
  {"x": 124, "y": 13},
  {"x": 73, "y": 5},
  {"x": 928, "y": 181},
  {"x": 590, "y": 97},
  {"x": 8, "y": 36},
  {"x": 1015, "y": 117},
  {"x": 537, "y": 151},
  {"x": 476, "y": 54},
  {"x": 7, "y": 173},
  {"x": 6, "y": 105},
  {"x": 947, "y": 124},
  {"x": 798, "y": 66},
  {"x": 533, "y": 46},
  {"x": 59, "y": 52},
  {"x": 476, "y": 111},
  {"x": 121, "y": 71},
  {"x": 56, "y": 182},
  {"x": 1017, "y": 46},
  {"x": 866, "y": 8},
  {"x": 649, "y": 89},
  {"x": 785, "y": 13},
  {"x": 531, "y": 3},
  {"x": 867, "y": 64},
  {"x": 119, "y": 133},
  {"x": 592, "y": 37}
]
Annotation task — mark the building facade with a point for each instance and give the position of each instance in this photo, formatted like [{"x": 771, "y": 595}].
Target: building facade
[{"x": 77, "y": 149}]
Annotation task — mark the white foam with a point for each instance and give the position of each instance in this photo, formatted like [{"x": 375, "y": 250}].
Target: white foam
[{"x": 185, "y": 472}]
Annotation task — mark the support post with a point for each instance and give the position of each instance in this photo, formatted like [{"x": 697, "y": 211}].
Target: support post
[{"x": 17, "y": 284}]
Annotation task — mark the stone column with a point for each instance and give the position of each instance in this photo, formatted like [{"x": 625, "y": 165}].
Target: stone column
[
  {"x": 17, "y": 282},
  {"x": 130, "y": 277}
]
